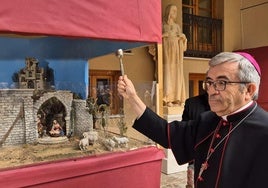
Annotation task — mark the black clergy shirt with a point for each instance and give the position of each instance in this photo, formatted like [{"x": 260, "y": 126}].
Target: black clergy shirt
[{"x": 240, "y": 161}]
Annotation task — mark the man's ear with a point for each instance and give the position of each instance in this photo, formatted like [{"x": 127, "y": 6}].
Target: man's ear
[{"x": 251, "y": 89}]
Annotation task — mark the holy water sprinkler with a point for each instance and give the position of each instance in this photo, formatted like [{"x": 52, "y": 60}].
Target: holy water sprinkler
[{"x": 120, "y": 54}]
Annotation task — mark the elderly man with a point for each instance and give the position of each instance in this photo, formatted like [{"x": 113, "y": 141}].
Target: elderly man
[{"x": 229, "y": 144}]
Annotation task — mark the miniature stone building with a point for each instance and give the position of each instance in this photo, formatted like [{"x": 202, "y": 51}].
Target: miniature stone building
[{"x": 31, "y": 76}]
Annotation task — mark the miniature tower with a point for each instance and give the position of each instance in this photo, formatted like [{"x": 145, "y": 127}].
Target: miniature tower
[{"x": 31, "y": 76}]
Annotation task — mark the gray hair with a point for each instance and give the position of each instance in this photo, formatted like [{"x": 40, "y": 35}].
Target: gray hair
[{"x": 246, "y": 71}]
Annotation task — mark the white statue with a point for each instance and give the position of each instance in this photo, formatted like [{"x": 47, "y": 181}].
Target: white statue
[{"x": 174, "y": 45}]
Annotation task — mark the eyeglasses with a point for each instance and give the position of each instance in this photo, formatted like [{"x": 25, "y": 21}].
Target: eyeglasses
[{"x": 219, "y": 85}]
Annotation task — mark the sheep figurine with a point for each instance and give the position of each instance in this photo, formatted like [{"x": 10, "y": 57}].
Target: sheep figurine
[
  {"x": 121, "y": 141},
  {"x": 83, "y": 143},
  {"x": 89, "y": 137},
  {"x": 92, "y": 136},
  {"x": 109, "y": 144}
]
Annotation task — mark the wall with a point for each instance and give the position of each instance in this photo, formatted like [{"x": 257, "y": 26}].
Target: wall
[
  {"x": 231, "y": 25},
  {"x": 139, "y": 66},
  {"x": 82, "y": 121},
  {"x": 16, "y": 107},
  {"x": 193, "y": 65},
  {"x": 70, "y": 75},
  {"x": 138, "y": 58},
  {"x": 254, "y": 24},
  {"x": 244, "y": 24}
]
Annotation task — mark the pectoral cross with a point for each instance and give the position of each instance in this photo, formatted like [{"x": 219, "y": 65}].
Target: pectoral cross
[{"x": 204, "y": 166}]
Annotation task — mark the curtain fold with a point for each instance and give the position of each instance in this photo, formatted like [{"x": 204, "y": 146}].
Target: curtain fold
[{"x": 135, "y": 20}]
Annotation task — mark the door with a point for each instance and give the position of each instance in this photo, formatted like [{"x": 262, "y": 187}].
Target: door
[
  {"x": 103, "y": 86},
  {"x": 195, "y": 84}
]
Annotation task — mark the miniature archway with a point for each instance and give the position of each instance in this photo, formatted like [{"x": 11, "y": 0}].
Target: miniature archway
[{"x": 52, "y": 109}]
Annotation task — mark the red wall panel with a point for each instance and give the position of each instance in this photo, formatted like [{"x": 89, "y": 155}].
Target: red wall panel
[{"x": 261, "y": 56}]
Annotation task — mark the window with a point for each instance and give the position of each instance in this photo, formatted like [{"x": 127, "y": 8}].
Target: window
[{"x": 203, "y": 31}]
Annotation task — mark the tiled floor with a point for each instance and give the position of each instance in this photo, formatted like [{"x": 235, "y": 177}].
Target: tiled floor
[{"x": 176, "y": 180}]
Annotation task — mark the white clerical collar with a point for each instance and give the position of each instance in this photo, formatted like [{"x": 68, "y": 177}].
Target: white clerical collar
[{"x": 240, "y": 109}]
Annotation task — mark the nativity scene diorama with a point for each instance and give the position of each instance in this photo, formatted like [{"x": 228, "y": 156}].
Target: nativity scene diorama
[
  {"x": 42, "y": 115},
  {"x": 46, "y": 99}
]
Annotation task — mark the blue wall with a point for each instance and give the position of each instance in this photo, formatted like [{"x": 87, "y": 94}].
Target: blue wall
[{"x": 66, "y": 56}]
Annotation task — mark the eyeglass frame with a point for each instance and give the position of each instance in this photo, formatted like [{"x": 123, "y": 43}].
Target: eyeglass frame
[{"x": 207, "y": 83}]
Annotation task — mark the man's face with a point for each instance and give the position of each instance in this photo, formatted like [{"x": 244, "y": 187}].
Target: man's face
[{"x": 233, "y": 97}]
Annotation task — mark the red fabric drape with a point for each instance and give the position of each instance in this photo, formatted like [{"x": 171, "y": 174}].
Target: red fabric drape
[
  {"x": 131, "y": 169},
  {"x": 135, "y": 20}
]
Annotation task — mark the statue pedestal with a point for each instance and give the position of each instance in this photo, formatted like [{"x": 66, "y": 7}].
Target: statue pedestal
[
  {"x": 174, "y": 111},
  {"x": 169, "y": 163}
]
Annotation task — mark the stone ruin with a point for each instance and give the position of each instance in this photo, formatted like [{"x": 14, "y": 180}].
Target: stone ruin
[
  {"x": 21, "y": 107},
  {"x": 19, "y": 111}
]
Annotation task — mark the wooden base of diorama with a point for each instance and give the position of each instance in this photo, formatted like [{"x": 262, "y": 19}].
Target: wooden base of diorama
[{"x": 134, "y": 168}]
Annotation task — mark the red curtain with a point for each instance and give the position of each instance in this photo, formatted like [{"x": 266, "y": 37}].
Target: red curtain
[
  {"x": 135, "y": 20},
  {"x": 132, "y": 169}
]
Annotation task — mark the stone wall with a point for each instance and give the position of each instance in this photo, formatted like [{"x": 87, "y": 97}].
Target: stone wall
[
  {"x": 82, "y": 119},
  {"x": 18, "y": 115}
]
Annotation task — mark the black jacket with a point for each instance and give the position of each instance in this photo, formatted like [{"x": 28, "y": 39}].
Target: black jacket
[{"x": 194, "y": 106}]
